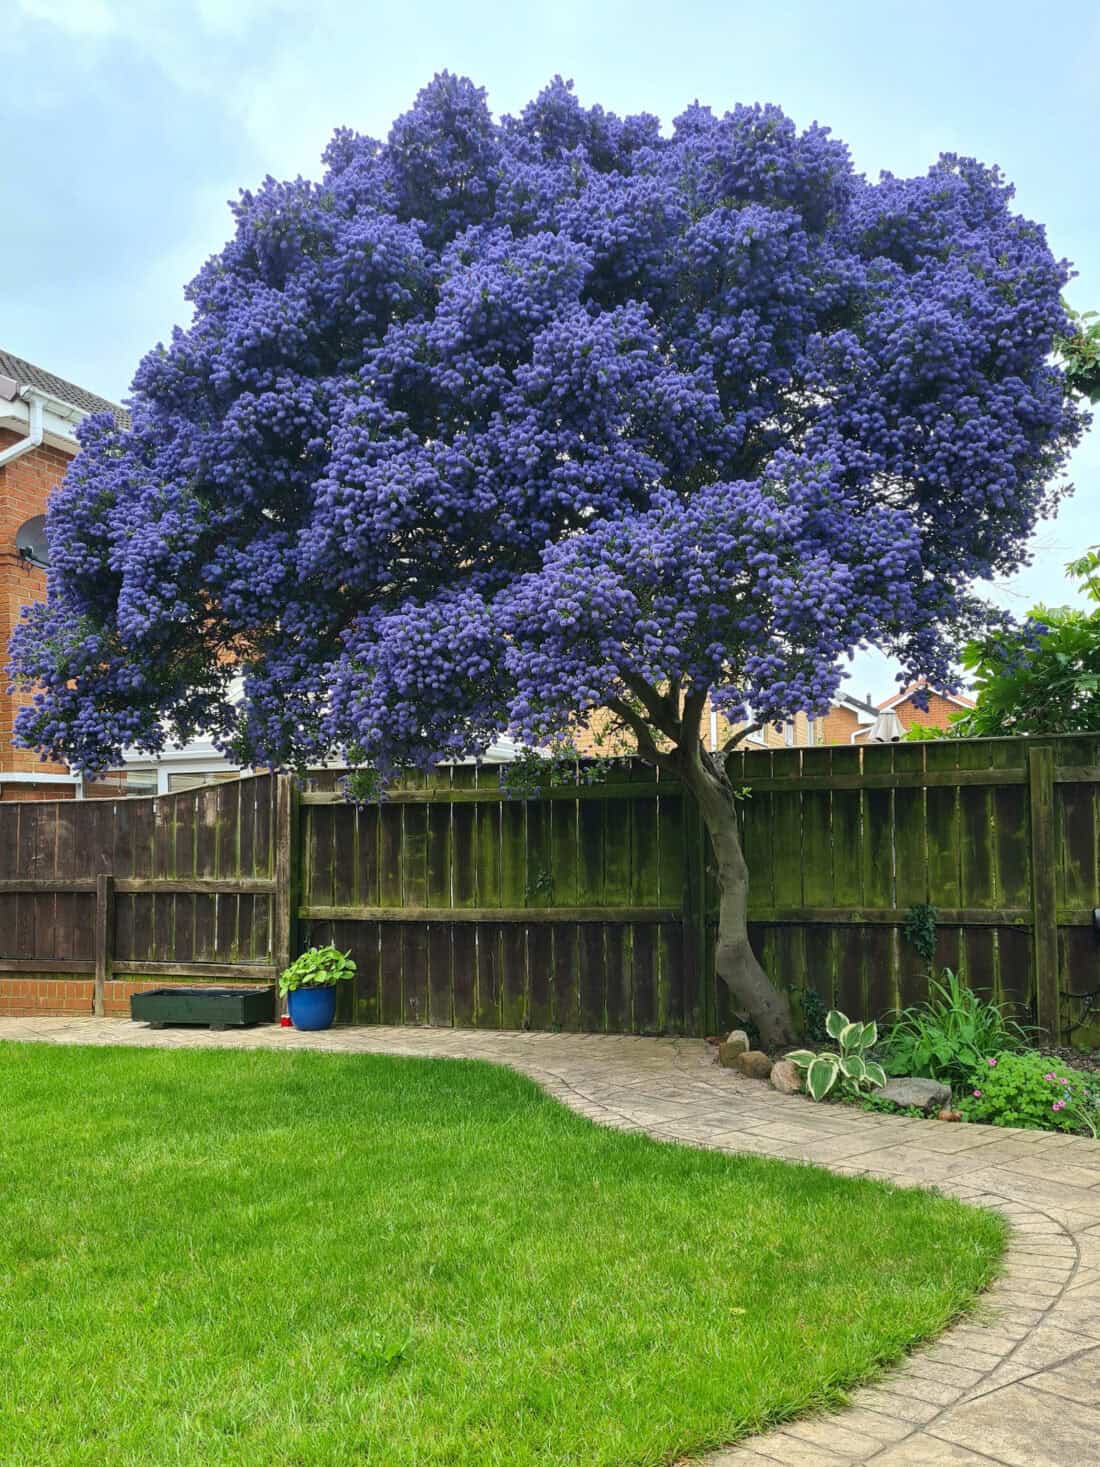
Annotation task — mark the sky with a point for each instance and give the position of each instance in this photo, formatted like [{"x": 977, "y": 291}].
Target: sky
[{"x": 129, "y": 124}]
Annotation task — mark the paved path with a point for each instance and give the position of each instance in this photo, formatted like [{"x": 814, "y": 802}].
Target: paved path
[{"x": 1020, "y": 1386}]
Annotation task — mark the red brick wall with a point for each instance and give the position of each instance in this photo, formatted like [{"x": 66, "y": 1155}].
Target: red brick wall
[
  {"x": 30, "y": 997},
  {"x": 25, "y": 485},
  {"x": 838, "y": 725},
  {"x": 938, "y": 714},
  {"x": 26, "y": 997}
]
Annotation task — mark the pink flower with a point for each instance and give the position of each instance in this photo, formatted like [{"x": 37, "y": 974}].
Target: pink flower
[
  {"x": 977, "y": 1095},
  {"x": 1050, "y": 1075},
  {"x": 992, "y": 1063},
  {"x": 1059, "y": 1105}
]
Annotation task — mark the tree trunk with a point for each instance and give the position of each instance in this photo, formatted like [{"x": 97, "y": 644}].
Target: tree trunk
[{"x": 753, "y": 992}]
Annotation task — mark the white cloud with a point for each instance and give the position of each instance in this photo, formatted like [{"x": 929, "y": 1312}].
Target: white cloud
[{"x": 76, "y": 17}]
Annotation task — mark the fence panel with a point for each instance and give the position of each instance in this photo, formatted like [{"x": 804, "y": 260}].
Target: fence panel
[
  {"x": 189, "y": 885},
  {"x": 562, "y": 911}
]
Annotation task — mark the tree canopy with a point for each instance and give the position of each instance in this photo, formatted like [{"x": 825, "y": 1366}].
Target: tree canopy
[{"x": 505, "y": 420}]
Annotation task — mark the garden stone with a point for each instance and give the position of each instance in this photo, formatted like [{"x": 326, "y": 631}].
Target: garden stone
[
  {"x": 755, "y": 1064},
  {"x": 785, "y": 1077},
  {"x": 927, "y": 1095},
  {"x": 736, "y": 1044}
]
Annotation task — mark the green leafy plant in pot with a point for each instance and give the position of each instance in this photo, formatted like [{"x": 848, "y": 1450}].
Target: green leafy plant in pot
[{"x": 309, "y": 986}]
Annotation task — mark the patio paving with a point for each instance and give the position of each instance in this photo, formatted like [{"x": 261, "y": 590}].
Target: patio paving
[{"x": 1018, "y": 1385}]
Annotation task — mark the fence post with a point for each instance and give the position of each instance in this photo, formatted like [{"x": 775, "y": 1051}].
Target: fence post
[
  {"x": 104, "y": 923},
  {"x": 699, "y": 985},
  {"x": 286, "y": 871},
  {"x": 1044, "y": 892}
]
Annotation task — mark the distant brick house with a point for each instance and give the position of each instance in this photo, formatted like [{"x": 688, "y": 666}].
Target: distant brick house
[
  {"x": 38, "y": 415},
  {"x": 848, "y": 721},
  {"x": 942, "y": 707}
]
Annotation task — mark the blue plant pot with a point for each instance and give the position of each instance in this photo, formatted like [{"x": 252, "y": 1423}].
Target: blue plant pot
[{"x": 312, "y": 1008}]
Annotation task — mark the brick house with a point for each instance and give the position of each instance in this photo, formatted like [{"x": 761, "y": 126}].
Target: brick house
[
  {"x": 848, "y": 721},
  {"x": 39, "y": 413},
  {"x": 942, "y": 707}
]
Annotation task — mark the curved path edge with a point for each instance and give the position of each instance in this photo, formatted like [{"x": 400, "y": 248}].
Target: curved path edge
[{"x": 1016, "y": 1384}]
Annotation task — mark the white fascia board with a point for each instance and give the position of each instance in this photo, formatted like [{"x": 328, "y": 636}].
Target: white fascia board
[
  {"x": 57, "y": 427},
  {"x": 28, "y": 776}
]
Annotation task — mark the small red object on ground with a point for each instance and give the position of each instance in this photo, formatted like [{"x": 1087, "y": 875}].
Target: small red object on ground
[{"x": 284, "y": 1021}]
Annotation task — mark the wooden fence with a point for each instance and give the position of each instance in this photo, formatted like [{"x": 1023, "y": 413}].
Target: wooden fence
[
  {"x": 183, "y": 885},
  {"x": 1002, "y": 836},
  {"x": 591, "y": 906}
]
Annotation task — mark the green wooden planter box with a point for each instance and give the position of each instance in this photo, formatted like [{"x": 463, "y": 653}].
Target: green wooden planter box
[{"x": 217, "y": 1008}]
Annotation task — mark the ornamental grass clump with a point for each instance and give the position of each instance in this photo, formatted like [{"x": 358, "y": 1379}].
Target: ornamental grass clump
[{"x": 949, "y": 1035}]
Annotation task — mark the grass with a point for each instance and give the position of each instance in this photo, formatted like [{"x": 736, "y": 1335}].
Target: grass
[{"x": 252, "y": 1258}]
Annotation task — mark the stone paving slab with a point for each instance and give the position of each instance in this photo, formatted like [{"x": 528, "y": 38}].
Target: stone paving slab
[{"x": 1018, "y": 1385}]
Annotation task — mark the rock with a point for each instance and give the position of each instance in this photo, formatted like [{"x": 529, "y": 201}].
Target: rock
[
  {"x": 950, "y": 1115},
  {"x": 729, "y": 1049},
  {"x": 928, "y": 1095},
  {"x": 755, "y": 1064},
  {"x": 785, "y": 1077}
]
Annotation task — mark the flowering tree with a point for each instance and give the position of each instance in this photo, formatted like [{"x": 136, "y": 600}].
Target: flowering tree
[{"x": 505, "y": 421}]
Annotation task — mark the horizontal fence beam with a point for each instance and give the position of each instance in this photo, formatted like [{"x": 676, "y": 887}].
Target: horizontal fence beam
[
  {"x": 148, "y": 885},
  {"x": 642, "y": 790},
  {"x": 85, "y": 966},
  {"x": 895, "y": 916},
  {"x": 915, "y": 779},
  {"x": 258, "y": 972},
  {"x": 789, "y": 784},
  {"x": 195, "y": 885},
  {"x": 535, "y": 915}
]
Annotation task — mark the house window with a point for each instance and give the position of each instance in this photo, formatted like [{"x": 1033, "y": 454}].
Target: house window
[
  {"x": 118, "y": 783},
  {"x": 193, "y": 779}
]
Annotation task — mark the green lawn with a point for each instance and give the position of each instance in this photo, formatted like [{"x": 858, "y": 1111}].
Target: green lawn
[{"x": 309, "y": 1259}]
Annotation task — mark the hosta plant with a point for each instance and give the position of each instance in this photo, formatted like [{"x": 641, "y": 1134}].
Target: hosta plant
[{"x": 850, "y": 1068}]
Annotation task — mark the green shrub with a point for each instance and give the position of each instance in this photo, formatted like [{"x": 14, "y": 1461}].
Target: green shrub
[
  {"x": 1029, "y": 1090},
  {"x": 850, "y": 1067},
  {"x": 317, "y": 967},
  {"x": 950, "y": 1035}
]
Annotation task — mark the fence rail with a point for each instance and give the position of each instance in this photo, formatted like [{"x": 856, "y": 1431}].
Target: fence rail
[{"x": 591, "y": 906}]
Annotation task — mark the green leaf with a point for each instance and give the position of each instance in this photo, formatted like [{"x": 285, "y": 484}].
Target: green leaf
[
  {"x": 802, "y": 1057},
  {"x": 835, "y": 1022},
  {"x": 821, "y": 1076},
  {"x": 870, "y": 1035},
  {"x": 874, "y": 1074},
  {"x": 849, "y": 1036},
  {"x": 852, "y": 1067}
]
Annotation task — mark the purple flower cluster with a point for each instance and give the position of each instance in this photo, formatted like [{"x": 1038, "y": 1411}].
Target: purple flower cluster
[{"x": 504, "y": 416}]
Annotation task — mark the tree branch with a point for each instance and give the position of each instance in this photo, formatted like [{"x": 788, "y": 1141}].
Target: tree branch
[
  {"x": 739, "y": 734},
  {"x": 694, "y": 704},
  {"x": 655, "y": 707},
  {"x": 643, "y": 733}
]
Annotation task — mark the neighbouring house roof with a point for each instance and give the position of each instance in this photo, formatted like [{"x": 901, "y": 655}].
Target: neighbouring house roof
[
  {"x": 858, "y": 705},
  {"x": 26, "y": 374},
  {"x": 960, "y": 699}
]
